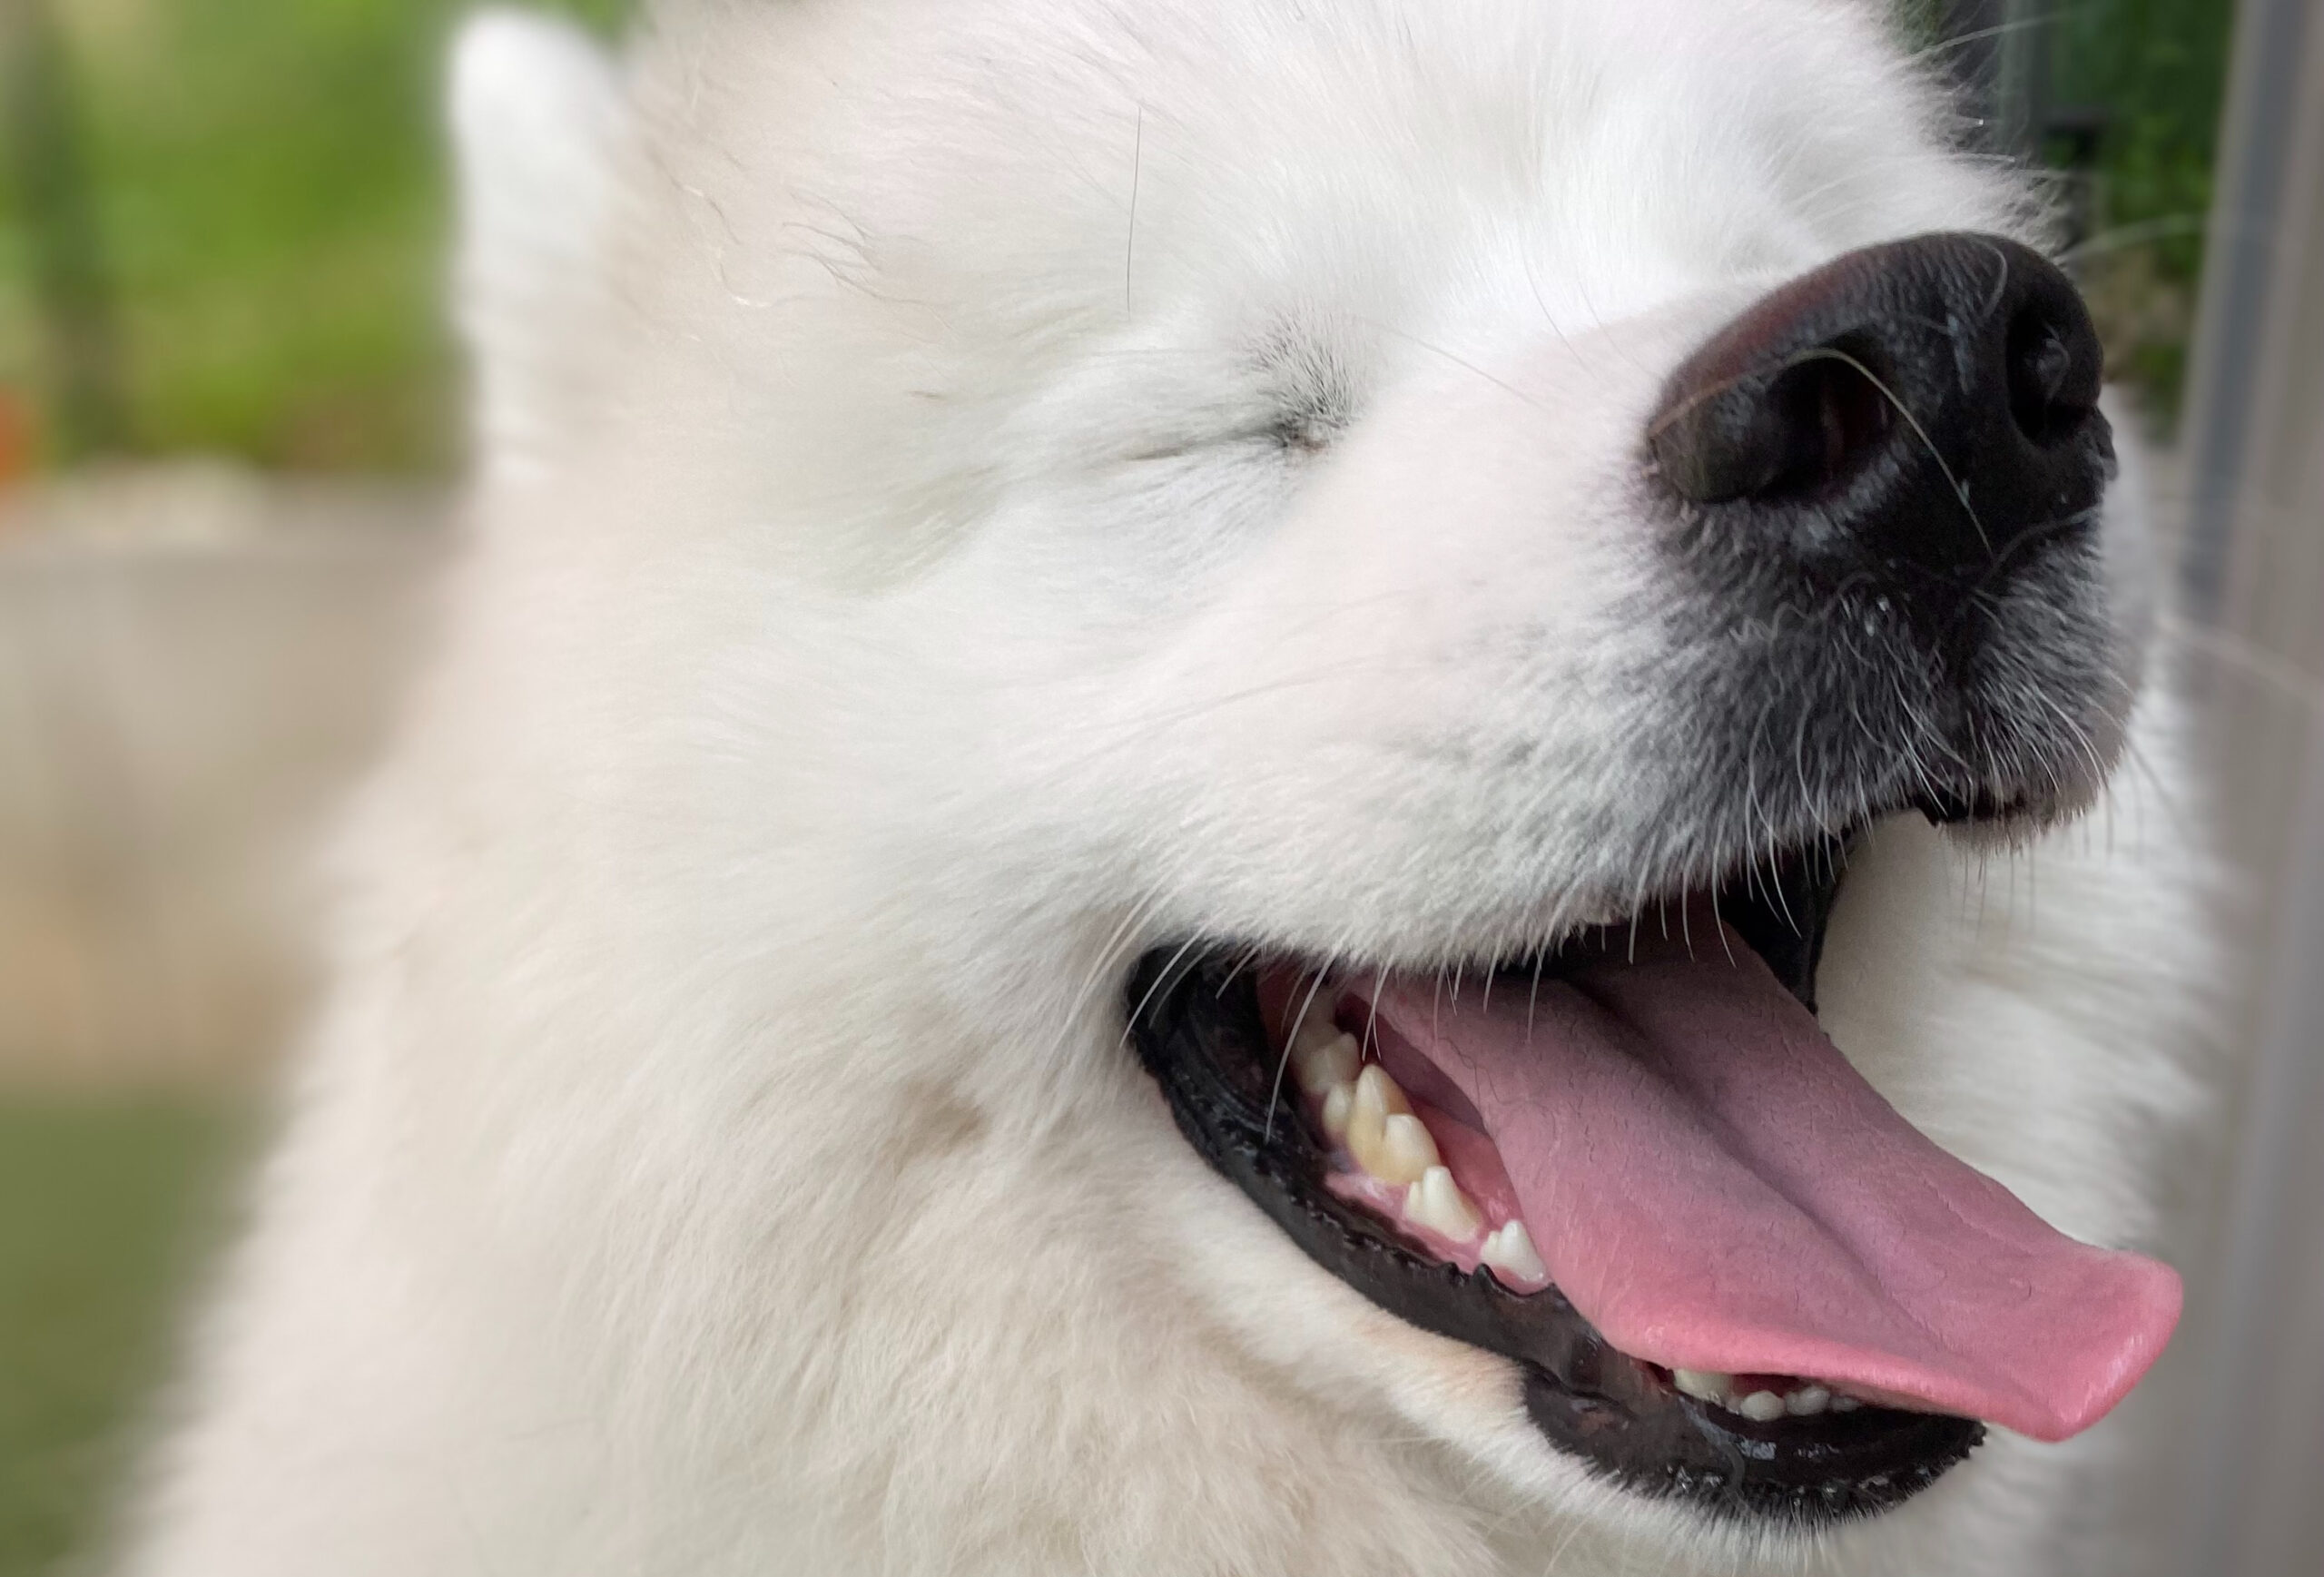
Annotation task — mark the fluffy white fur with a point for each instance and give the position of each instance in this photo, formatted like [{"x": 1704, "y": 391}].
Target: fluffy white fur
[{"x": 972, "y": 489}]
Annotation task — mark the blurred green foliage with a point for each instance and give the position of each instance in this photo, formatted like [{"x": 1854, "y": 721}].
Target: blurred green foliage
[
  {"x": 267, "y": 182},
  {"x": 2158, "y": 70},
  {"x": 104, "y": 1207}
]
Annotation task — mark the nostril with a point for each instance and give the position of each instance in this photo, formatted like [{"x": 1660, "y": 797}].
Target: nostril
[
  {"x": 1908, "y": 412},
  {"x": 1797, "y": 433},
  {"x": 2053, "y": 373},
  {"x": 1833, "y": 416}
]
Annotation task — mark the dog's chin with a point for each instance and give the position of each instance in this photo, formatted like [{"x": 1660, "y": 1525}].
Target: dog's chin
[{"x": 1367, "y": 1108}]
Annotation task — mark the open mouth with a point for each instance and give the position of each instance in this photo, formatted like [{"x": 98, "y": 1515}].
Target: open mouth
[{"x": 1730, "y": 1273}]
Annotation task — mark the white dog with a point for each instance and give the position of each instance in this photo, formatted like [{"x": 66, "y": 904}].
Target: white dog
[{"x": 1116, "y": 853}]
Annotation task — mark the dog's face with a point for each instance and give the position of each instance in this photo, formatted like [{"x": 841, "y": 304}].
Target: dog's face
[
  {"x": 1268, "y": 390},
  {"x": 1284, "y": 511}
]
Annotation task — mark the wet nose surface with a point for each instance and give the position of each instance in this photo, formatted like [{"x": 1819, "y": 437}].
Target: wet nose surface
[{"x": 1925, "y": 412}]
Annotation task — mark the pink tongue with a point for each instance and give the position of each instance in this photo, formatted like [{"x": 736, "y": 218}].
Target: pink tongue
[{"x": 1714, "y": 1187}]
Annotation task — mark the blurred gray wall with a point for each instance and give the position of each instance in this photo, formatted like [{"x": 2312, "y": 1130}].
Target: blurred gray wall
[
  {"x": 2253, "y": 1468},
  {"x": 193, "y": 665}
]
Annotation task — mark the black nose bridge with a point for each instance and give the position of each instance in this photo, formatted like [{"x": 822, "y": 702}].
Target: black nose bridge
[{"x": 1926, "y": 408}]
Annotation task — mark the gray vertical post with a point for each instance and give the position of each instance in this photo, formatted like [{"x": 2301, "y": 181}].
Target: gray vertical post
[
  {"x": 1976, "y": 33},
  {"x": 1997, "y": 52},
  {"x": 2239, "y": 271},
  {"x": 2254, "y": 573},
  {"x": 2026, "y": 56}
]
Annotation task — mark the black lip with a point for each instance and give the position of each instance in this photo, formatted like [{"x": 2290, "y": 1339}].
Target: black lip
[{"x": 1196, "y": 1025}]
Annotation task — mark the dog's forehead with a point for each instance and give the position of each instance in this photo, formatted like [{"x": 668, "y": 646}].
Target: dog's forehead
[{"x": 1426, "y": 164}]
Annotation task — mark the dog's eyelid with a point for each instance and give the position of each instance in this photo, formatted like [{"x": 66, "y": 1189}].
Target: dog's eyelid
[
  {"x": 1308, "y": 429},
  {"x": 1314, "y": 400}
]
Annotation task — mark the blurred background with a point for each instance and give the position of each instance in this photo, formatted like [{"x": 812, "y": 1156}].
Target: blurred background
[{"x": 230, "y": 422}]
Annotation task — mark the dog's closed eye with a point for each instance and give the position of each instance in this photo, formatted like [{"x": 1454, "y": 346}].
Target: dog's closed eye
[{"x": 1312, "y": 386}]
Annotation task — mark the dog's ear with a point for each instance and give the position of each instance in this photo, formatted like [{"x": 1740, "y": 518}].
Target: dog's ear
[{"x": 541, "y": 123}]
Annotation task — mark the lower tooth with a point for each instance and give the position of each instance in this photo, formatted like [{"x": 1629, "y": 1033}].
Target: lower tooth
[
  {"x": 1703, "y": 1385},
  {"x": 1316, "y": 1028},
  {"x": 1339, "y": 1102},
  {"x": 1321, "y": 1067},
  {"x": 1510, "y": 1248},
  {"x": 1808, "y": 1401},
  {"x": 1377, "y": 1097},
  {"x": 1436, "y": 1203},
  {"x": 1406, "y": 1150}
]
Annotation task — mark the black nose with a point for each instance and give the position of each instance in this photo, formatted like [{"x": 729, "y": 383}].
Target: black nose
[{"x": 1926, "y": 410}]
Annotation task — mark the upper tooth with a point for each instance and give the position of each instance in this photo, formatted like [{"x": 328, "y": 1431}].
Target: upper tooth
[
  {"x": 1377, "y": 1099},
  {"x": 1762, "y": 1407},
  {"x": 1320, "y": 1064},
  {"x": 1510, "y": 1248},
  {"x": 1703, "y": 1385},
  {"x": 1846, "y": 1403},
  {"x": 1406, "y": 1150},
  {"x": 1437, "y": 1203}
]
